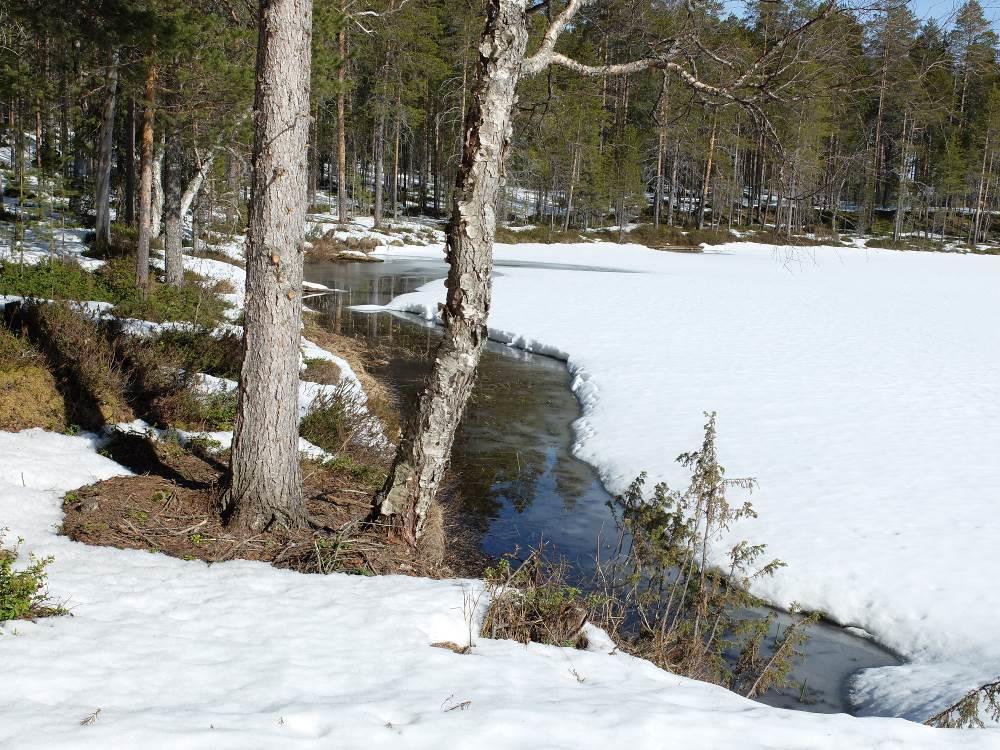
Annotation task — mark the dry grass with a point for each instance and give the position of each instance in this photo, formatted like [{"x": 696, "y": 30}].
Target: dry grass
[
  {"x": 329, "y": 248},
  {"x": 532, "y": 602},
  {"x": 321, "y": 371},
  {"x": 381, "y": 401},
  {"x": 207, "y": 251}
]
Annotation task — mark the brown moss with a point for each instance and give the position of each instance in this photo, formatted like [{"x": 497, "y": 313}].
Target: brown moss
[
  {"x": 29, "y": 398},
  {"x": 87, "y": 373}
]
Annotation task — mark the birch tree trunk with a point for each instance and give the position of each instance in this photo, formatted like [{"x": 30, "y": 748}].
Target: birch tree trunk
[
  {"x": 707, "y": 181},
  {"x": 980, "y": 195},
  {"x": 427, "y": 440},
  {"x": 172, "y": 227},
  {"x": 264, "y": 484},
  {"x": 196, "y": 183},
  {"x": 102, "y": 181},
  {"x": 156, "y": 201},
  {"x": 145, "y": 180}
]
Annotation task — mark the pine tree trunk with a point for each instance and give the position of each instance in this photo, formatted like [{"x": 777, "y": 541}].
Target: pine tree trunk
[
  {"x": 130, "y": 164},
  {"x": 233, "y": 189},
  {"x": 426, "y": 443},
  {"x": 314, "y": 165},
  {"x": 145, "y": 180},
  {"x": 172, "y": 195},
  {"x": 394, "y": 193},
  {"x": 102, "y": 181},
  {"x": 342, "y": 212},
  {"x": 264, "y": 483}
]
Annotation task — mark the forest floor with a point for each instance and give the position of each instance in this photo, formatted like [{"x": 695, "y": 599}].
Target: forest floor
[{"x": 181, "y": 635}]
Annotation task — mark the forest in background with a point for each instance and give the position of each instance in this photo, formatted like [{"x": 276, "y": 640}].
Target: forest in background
[{"x": 876, "y": 123}]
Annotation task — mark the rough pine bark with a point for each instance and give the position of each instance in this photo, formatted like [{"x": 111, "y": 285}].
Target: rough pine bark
[
  {"x": 102, "y": 181},
  {"x": 427, "y": 440},
  {"x": 172, "y": 225},
  {"x": 264, "y": 484},
  {"x": 145, "y": 180}
]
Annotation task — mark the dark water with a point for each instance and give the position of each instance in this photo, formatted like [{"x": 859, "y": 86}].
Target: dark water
[{"x": 513, "y": 457}]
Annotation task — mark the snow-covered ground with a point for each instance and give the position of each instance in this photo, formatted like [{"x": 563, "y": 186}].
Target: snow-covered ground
[
  {"x": 165, "y": 653},
  {"x": 860, "y": 387},
  {"x": 180, "y": 654}
]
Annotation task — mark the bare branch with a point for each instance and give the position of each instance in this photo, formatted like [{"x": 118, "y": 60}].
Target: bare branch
[{"x": 544, "y": 56}]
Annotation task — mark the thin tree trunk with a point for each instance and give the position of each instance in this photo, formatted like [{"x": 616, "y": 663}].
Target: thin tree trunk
[
  {"x": 145, "y": 180},
  {"x": 194, "y": 186},
  {"x": 379, "y": 168},
  {"x": 156, "y": 201},
  {"x": 172, "y": 193},
  {"x": 574, "y": 174},
  {"x": 673, "y": 185},
  {"x": 866, "y": 217},
  {"x": 426, "y": 443},
  {"x": 342, "y": 211},
  {"x": 394, "y": 194},
  {"x": 264, "y": 487},
  {"x": 902, "y": 197},
  {"x": 708, "y": 172},
  {"x": 102, "y": 182},
  {"x": 658, "y": 201},
  {"x": 130, "y": 164},
  {"x": 980, "y": 193}
]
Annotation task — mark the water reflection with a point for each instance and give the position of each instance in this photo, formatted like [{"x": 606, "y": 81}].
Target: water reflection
[
  {"x": 512, "y": 450},
  {"x": 512, "y": 454}
]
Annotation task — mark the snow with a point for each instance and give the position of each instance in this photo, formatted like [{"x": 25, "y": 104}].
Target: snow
[
  {"x": 47, "y": 241},
  {"x": 223, "y": 438},
  {"x": 308, "y": 392},
  {"x": 860, "y": 387},
  {"x": 217, "y": 270},
  {"x": 161, "y": 652},
  {"x": 407, "y": 231},
  {"x": 238, "y": 654}
]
